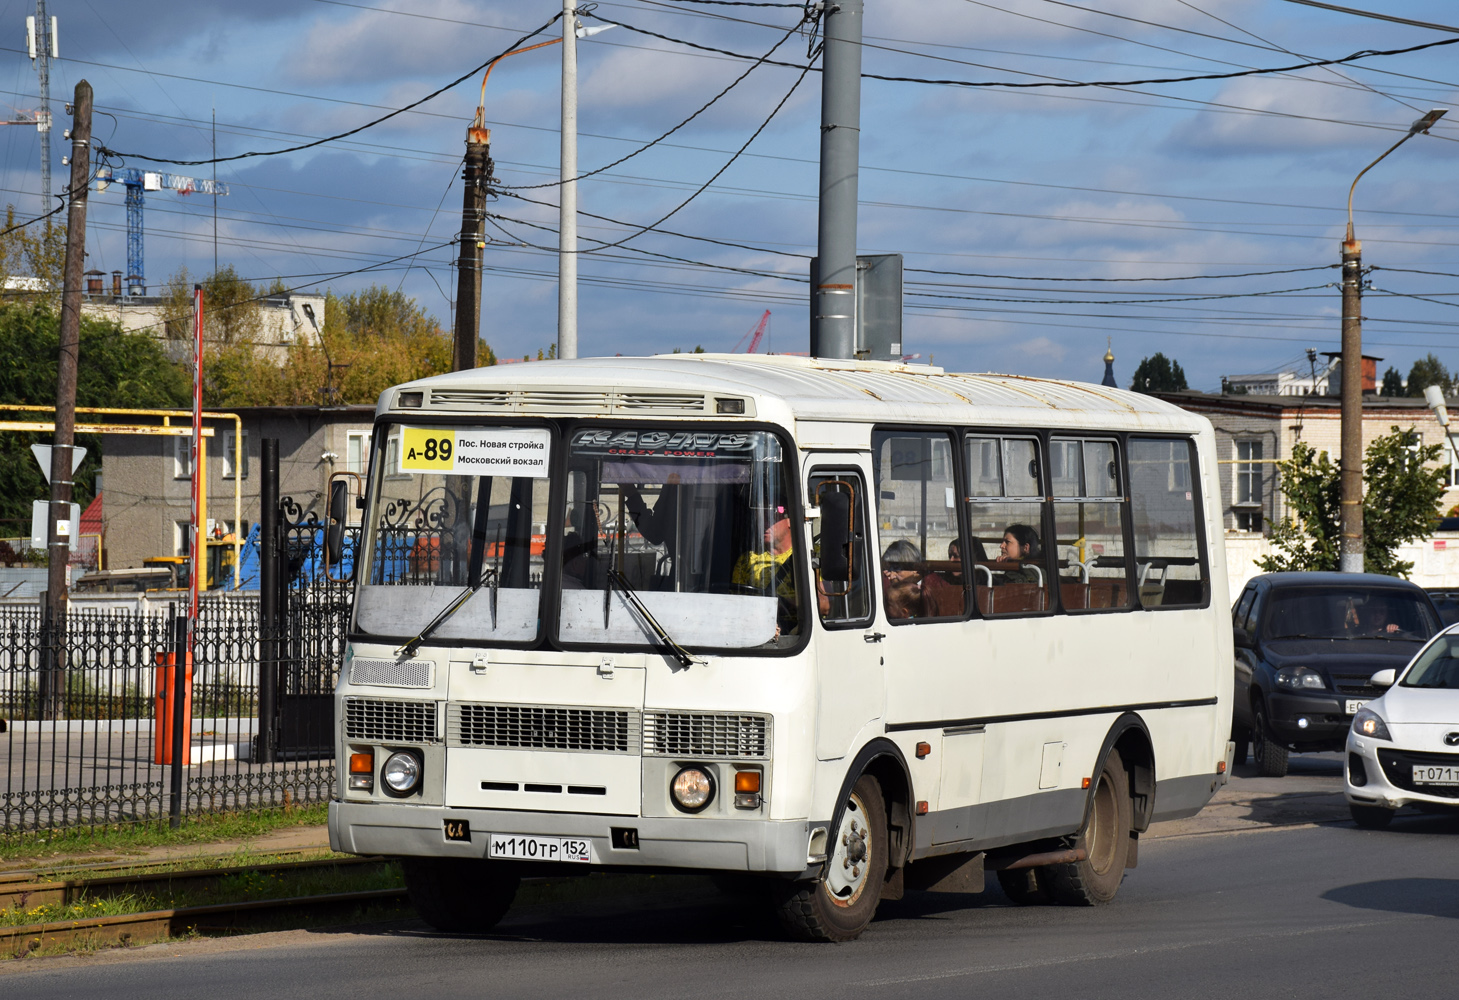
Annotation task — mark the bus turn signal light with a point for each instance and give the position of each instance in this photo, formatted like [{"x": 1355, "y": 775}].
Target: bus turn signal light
[
  {"x": 923, "y": 749},
  {"x": 362, "y": 772},
  {"x": 747, "y": 781}
]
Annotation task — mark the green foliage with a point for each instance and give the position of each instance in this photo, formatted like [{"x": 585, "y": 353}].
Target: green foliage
[
  {"x": 371, "y": 339},
  {"x": 37, "y": 251},
  {"x": 1158, "y": 373},
  {"x": 1426, "y": 371},
  {"x": 1400, "y": 497},
  {"x": 116, "y": 370},
  {"x": 1392, "y": 383}
]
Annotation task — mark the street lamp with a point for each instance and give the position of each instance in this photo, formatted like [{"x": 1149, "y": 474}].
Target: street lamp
[{"x": 1351, "y": 553}]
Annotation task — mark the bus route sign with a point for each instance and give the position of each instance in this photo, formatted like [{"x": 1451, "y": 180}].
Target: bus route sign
[{"x": 476, "y": 451}]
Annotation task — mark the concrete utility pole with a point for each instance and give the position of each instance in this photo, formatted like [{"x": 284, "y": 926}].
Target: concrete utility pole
[
  {"x": 1351, "y": 552},
  {"x": 473, "y": 241},
  {"x": 840, "y": 160},
  {"x": 567, "y": 213},
  {"x": 58, "y": 538}
]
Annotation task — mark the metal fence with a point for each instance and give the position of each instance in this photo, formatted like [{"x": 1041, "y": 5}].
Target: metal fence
[{"x": 87, "y": 712}]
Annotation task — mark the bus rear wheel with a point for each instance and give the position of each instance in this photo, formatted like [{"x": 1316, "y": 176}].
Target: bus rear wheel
[
  {"x": 1105, "y": 839},
  {"x": 839, "y": 906},
  {"x": 460, "y": 895}
]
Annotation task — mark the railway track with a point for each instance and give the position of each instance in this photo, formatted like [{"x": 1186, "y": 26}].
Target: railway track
[{"x": 71, "y": 884}]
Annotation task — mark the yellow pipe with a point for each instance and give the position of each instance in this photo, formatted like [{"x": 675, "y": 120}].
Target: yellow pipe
[{"x": 166, "y": 415}]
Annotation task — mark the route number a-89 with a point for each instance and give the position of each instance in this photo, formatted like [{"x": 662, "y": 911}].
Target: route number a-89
[{"x": 428, "y": 449}]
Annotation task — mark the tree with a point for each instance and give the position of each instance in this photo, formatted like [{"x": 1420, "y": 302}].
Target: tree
[
  {"x": 1426, "y": 371},
  {"x": 370, "y": 340},
  {"x": 1157, "y": 373},
  {"x": 1401, "y": 493},
  {"x": 1392, "y": 383},
  {"x": 38, "y": 252},
  {"x": 117, "y": 369},
  {"x": 231, "y": 311}
]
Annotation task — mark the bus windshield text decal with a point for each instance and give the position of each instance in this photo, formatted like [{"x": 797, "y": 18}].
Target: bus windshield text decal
[{"x": 476, "y": 451}]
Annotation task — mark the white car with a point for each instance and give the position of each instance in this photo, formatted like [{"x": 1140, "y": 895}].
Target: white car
[{"x": 1403, "y": 747}]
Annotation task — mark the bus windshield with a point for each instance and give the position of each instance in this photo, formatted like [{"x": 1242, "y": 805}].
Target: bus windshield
[
  {"x": 692, "y": 526},
  {"x": 455, "y": 508}
]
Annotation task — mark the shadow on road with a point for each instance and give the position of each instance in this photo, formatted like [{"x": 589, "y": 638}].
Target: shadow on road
[{"x": 1429, "y": 897}]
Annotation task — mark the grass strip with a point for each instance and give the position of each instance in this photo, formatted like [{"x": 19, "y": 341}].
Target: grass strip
[{"x": 46, "y": 845}]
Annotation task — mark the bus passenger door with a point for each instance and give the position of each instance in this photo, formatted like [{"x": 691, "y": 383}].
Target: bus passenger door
[{"x": 849, "y": 688}]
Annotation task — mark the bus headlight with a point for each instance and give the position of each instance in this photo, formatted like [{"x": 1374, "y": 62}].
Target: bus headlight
[
  {"x": 692, "y": 788},
  {"x": 401, "y": 773}
]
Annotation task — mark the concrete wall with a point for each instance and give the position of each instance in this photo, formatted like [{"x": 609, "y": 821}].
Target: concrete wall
[
  {"x": 1435, "y": 560},
  {"x": 143, "y": 498}
]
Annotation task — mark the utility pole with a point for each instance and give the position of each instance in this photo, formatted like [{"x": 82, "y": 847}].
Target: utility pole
[
  {"x": 60, "y": 529},
  {"x": 1351, "y": 550},
  {"x": 567, "y": 200},
  {"x": 1350, "y": 558},
  {"x": 835, "y": 293},
  {"x": 477, "y": 176}
]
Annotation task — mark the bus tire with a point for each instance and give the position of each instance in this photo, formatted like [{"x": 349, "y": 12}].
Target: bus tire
[
  {"x": 1106, "y": 839},
  {"x": 1024, "y": 886},
  {"x": 1241, "y": 736},
  {"x": 1270, "y": 757},
  {"x": 838, "y": 906},
  {"x": 459, "y": 895}
]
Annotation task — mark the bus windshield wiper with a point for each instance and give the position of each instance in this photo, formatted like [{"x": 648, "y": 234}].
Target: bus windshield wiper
[
  {"x": 678, "y": 652},
  {"x": 453, "y": 606}
]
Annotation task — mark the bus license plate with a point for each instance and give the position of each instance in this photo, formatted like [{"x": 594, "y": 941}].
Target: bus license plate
[
  {"x": 519, "y": 848},
  {"x": 1435, "y": 775},
  {"x": 1352, "y": 706}
]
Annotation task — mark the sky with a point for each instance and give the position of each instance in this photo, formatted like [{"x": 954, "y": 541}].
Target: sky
[{"x": 1012, "y": 207}]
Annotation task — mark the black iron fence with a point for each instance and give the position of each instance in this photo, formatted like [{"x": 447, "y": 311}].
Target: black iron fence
[{"x": 88, "y": 711}]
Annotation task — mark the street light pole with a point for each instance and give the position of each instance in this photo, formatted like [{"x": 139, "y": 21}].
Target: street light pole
[
  {"x": 567, "y": 202},
  {"x": 1351, "y": 553}
]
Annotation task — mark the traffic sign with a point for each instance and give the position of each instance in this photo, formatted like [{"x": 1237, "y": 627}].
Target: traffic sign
[{"x": 42, "y": 453}]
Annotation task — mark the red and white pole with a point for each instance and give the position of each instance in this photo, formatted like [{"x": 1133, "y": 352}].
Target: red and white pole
[{"x": 199, "y": 531}]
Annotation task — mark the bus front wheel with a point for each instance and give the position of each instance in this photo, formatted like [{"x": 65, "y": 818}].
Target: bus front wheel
[
  {"x": 459, "y": 895},
  {"x": 839, "y": 906},
  {"x": 1105, "y": 839}
]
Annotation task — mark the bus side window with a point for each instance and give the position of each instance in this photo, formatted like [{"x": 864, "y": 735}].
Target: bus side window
[
  {"x": 1089, "y": 525},
  {"x": 1007, "y": 550},
  {"x": 843, "y": 602},
  {"x": 1169, "y": 557},
  {"x": 922, "y": 570}
]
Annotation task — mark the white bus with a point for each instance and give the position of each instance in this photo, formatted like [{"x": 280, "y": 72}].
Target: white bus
[{"x": 848, "y": 627}]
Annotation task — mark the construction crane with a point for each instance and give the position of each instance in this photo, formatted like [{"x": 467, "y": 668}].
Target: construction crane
[
  {"x": 138, "y": 181},
  {"x": 755, "y": 334}
]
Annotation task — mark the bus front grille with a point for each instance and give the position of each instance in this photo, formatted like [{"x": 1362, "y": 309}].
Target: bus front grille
[
  {"x": 380, "y": 721},
  {"x": 542, "y": 727},
  {"x": 705, "y": 734}
]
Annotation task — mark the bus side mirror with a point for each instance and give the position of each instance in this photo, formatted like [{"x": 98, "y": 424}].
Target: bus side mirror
[
  {"x": 334, "y": 532},
  {"x": 835, "y": 536}
]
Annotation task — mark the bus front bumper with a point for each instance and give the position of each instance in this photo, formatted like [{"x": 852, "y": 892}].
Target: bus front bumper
[{"x": 691, "y": 842}]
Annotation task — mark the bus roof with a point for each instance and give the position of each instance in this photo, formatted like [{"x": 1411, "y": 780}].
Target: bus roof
[{"x": 788, "y": 388}]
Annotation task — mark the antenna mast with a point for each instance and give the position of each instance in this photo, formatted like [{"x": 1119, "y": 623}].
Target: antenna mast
[{"x": 41, "y": 40}]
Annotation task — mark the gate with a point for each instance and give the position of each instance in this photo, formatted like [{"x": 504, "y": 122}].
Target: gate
[{"x": 305, "y": 600}]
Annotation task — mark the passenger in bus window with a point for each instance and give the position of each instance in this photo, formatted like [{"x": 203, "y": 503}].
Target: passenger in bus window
[
  {"x": 901, "y": 575},
  {"x": 942, "y": 592},
  {"x": 1020, "y": 546}
]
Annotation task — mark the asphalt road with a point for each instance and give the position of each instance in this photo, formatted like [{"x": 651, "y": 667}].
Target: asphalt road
[{"x": 1240, "y": 908}]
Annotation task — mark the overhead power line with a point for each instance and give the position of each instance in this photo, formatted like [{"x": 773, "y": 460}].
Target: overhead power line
[
  {"x": 1377, "y": 17},
  {"x": 341, "y": 135},
  {"x": 1026, "y": 85}
]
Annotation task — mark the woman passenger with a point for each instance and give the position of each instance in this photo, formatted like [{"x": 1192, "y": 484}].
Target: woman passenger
[
  {"x": 1020, "y": 547},
  {"x": 901, "y": 576}
]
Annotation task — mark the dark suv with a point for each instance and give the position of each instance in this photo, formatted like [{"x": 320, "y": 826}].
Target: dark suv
[{"x": 1306, "y": 646}]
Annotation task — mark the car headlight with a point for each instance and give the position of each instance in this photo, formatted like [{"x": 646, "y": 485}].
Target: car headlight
[
  {"x": 1300, "y": 679},
  {"x": 1369, "y": 723},
  {"x": 692, "y": 788},
  {"x": 401, "y": 773}
]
